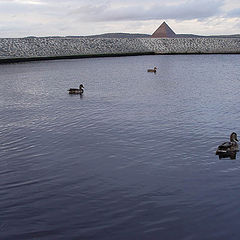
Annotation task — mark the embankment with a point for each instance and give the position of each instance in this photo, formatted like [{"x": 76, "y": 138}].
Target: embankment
[{"x": 32, "y": 49}]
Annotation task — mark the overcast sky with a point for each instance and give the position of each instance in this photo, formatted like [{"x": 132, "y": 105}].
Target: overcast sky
[{"x": 20, "y": 18}]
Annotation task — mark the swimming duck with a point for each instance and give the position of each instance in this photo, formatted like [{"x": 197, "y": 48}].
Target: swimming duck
[
  {"x": 152, "y": 70},
  {"x": 228, "y": 147},
  {"x": 76, "y": 90}
]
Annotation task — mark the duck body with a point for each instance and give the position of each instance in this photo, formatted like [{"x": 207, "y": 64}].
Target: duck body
[
  {"x": 153, "y": 70},
  {"x": 228, "y": 147},
  {"x": 76, "y": 90}
]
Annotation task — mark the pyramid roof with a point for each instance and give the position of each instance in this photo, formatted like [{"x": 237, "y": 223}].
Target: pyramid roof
[{"x": 164, "y": 31}]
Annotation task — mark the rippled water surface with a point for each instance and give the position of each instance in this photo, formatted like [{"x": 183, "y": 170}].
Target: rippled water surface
[{"x": 133, "y": 158}]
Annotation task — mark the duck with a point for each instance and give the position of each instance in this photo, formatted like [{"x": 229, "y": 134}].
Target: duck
[
  {"x": 76, "y": 90},
  {"x": 228, "y": 148},
  {"x": 152, "y": 70}
]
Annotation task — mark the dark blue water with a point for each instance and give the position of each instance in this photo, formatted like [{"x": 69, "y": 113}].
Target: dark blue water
[{"x": 133, "y": 158}]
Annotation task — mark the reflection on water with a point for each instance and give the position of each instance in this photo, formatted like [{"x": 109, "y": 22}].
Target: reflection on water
[
  {"x": 132, "y": 158},
  {"x": 231, "y": 155}
]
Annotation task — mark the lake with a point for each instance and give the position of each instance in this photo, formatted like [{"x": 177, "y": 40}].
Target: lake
[{"x": 132, "y": 158}]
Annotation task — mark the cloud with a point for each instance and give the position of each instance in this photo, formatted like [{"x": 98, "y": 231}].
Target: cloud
[
  {"x": 123, "y": 10},
  {"x": 181, "y": 11},
  {"x": 81, "y": 17},
  {"x": 234, "y": 13},
  {"x": 20, "y": 7}
]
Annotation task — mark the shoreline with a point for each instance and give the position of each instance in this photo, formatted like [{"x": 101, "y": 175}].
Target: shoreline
[{"x": 33, "y": 59}]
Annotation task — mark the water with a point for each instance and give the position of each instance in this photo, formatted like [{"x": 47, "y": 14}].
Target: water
[{"x": 133, "y": 158}]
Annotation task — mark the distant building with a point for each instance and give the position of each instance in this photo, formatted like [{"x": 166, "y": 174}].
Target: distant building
[{"x": 164, "y": 31}]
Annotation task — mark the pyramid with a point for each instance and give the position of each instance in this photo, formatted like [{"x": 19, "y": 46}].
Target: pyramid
[{"x": 164, "y": 31}]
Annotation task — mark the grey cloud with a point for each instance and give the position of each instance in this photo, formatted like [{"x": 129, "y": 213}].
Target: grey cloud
[
  {"x": 234, "y": 13},
  {"x": 17, "y": 7},
  {"x": 186, "y": 11},
  {"x": 107, "y": 10}
]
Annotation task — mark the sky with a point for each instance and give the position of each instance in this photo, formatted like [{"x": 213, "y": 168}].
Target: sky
[{"x": 21, "y": 18}]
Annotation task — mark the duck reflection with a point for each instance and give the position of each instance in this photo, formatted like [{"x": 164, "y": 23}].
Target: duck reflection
[{"x": 231, "y": 155}]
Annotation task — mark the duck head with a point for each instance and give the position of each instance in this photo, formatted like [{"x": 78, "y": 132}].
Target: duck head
[
  {"x": 81, "y": 86},
  {"x": 233, "y": 137}
]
